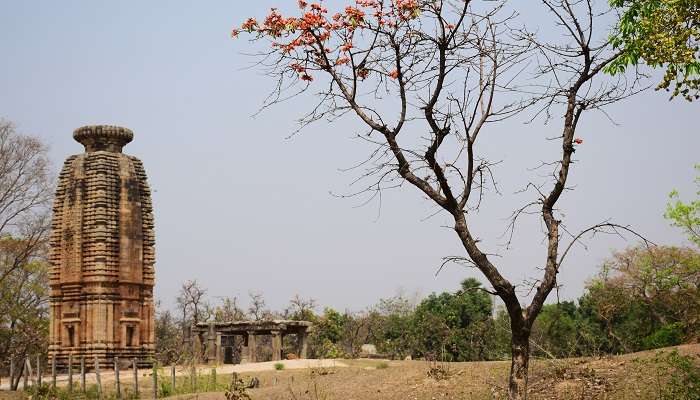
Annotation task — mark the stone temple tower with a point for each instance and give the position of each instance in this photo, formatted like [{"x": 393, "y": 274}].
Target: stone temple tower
[{"x": 102, "y": 254}]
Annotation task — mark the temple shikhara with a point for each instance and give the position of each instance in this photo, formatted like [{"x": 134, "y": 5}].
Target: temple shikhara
[{"x": 102, "y": 254}]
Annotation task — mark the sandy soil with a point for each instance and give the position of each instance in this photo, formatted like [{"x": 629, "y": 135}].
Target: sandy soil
[{"x": 620, "y": 377}]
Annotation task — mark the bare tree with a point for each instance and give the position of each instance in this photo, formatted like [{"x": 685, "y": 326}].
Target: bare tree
[
  {"x": 229, "y": 310},
  {"x": 301, "y": 309},
  {"x": 427, "y": 79},
  {"x": 194, "y": 308},
  {"x": 258, "y": 308},
  {"x": 193, "y": 305},
  {"x": 25, "y": 194}
]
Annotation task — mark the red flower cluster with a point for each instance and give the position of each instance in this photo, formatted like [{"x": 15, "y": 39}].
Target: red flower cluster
[
  {"x": 408, "y": 9},
  {"x": 368, "y": 3},
  {"x": 250, "y": 25},
  {"x": 354, "y": 16},
  {"x": 309, "y": 35},
  {"x": 297, "y": 68},
  {"x": 275, "y": 24}
]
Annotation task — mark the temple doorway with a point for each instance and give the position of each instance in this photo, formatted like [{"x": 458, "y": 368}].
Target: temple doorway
[{"x": 228, "y": 355}]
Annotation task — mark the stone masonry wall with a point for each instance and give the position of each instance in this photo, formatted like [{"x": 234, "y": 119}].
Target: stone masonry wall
[{"x": 102, "y": 254}]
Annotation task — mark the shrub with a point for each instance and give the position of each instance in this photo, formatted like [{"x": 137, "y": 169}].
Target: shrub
[
  {"x": 667, "y": 335},
  {"x": 670, "y": 375},
  {"x": 683, "y": 376},
  {"x": 279, "y": 366},
  {"x": 165, "y": 389},
  {"x": 331, "y": 350},
  {"x": 237, "y": 389}
]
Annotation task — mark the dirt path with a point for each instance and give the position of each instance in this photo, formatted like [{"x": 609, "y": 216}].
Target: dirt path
[
  {"x": 126, "y": 375},
  {"x": 288, "y": 364}
]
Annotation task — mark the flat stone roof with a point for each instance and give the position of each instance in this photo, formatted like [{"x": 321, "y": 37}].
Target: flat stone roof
[{"x": 262, "y": 325}]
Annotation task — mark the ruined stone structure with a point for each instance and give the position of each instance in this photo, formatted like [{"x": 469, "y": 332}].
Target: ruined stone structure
[
  {"x": 102, "y": 254},
  {"x": 216, "y": 340}
]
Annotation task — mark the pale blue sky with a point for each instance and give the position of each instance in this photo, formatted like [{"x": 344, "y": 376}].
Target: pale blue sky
[{"x": 241, "y": 208}]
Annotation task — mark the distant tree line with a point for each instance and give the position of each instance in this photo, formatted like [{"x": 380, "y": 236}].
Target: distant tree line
[{"x": 642, "y": 298}]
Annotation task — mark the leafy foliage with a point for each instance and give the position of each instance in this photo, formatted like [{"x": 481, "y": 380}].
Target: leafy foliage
[
  {"x": 678, "y": 376},
  {"x": 449, "y": 326},
  {"x": 646, "y": 298},
  {"x": 328, "y": 333},
  {"x": 661, "y": 33},
  {"x": 686, "y": 215},
  {"x": 559, "y": 331},
  {"x": 24, "y": 324},
  {"x": 391, "y": 325},
  {"x": 446, "y": 326},
  {"x": 169, "y": 337}
]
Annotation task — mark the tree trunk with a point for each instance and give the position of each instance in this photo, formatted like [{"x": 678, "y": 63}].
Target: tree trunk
[{"x": 520, "y": 358}]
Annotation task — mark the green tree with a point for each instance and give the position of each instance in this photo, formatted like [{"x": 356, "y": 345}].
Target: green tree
[
  {"x": 647, "y": 297},
  {"x": 390, "y": 326},
  {"x": 555, "y": 331},
  {"x": 169, "y": 339},
  {"x": 661, "y": 33},
  {"x": 686, "y": 215},
  {"x": 501, "y": 334},
  {"x": 325, "y": 340},
  {"x": 450, "y": 326},
  {"x": 568, "y": 330}
]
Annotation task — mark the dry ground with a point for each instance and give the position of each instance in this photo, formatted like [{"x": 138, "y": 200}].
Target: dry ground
[{"x": 619, "y": 377}]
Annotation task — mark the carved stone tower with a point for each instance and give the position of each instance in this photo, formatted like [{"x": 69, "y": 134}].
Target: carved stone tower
[{"x": 102, "y": 254}]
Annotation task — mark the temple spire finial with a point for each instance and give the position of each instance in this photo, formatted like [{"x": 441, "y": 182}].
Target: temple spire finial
[{"x": 103, "y": 137}]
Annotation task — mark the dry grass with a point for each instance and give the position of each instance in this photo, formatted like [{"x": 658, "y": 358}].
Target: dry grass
[{"x": 618, "y": 377}]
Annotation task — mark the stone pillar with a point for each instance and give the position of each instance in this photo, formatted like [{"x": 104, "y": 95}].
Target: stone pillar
[
  {"x": 196, "y": 343},
  {"x": 276, "y": 345},
  {"x": 301, "y": 343},
  {"x": 219, "y": 352},
  {"x": 252, "y": 356},
  {"x": 211, "y": 344},
  {"x": 244, "y": 349}
]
